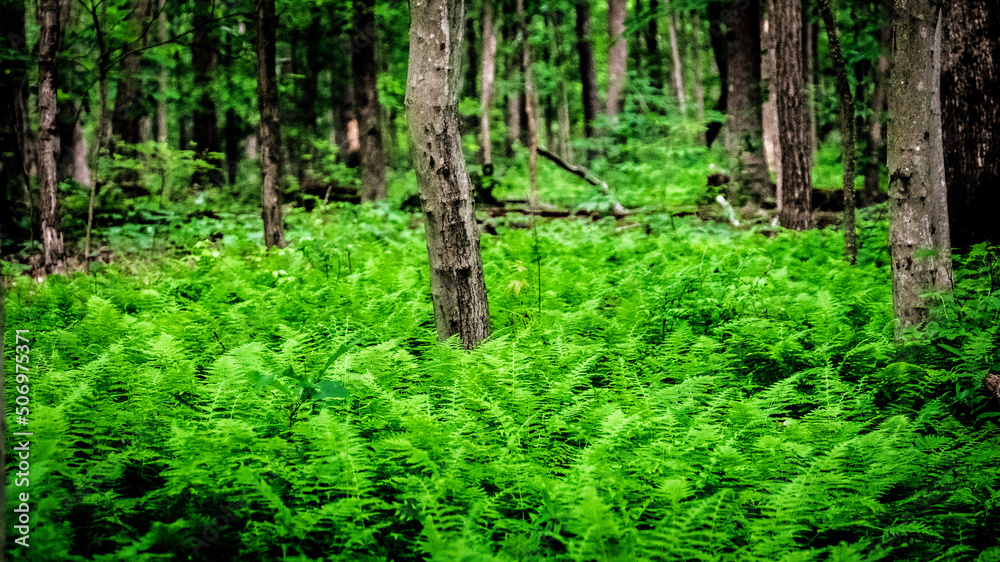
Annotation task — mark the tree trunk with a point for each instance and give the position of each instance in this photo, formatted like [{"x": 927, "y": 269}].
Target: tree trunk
[
  {"x": 458, "y": 287},
  {"x": 487, "y": 77},
  {"x": 270, "y": 126},
  {"x": 654, "y": 62},
  {"x": 769, "y": 110},
  {"x": 161, "y": 102},
  {"x": 364, "y": 69},
  {"x": 746, "y": 123},
  {"x": 876, "y": 131},
  {"x": 718, "y": 39},
  {"x": 970, "y": 105},
  {"x": 796, "y": 189},
  {"x": 588, "y": 69},
  {"x": 694, "y": 53},
  {"x": 918, "y": 222},
  {"x": 49, "y": 40},
  {"x": 846, "y": 131},
  {"x": 206, "y": 120},
  {"x": 809, "y": 97},
  {"x": 617, "y": 55},
  {"x": 678, "y": 69},
  {"x": 129, "y": 93},
  {"x": 529, "y": 106}
]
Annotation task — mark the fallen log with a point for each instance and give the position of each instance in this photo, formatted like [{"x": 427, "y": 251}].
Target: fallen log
[{"x": 585, "y": 174}]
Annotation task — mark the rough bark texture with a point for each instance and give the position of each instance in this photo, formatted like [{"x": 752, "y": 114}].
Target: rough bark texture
[
  {"x": 49, "y": 40},
  {"x": 617, "y": 55},
  {"x": 364, "y": 69},
  {"x": 458, "y": 287},
  {"x": 487, "y": 77},
  {"x": 204, "y": 59},
  {"x": 769, "y": 110},
  {"x": 970, "y": 105},
  {"x": 746, "y": 123},
  {"x": 588, "y": 69},
  {"x": 796, "y": 187},
  {"x": 918, "y": 222},
  {"x": 270, "y": 126},
  {"x": 846, "y": 130}
]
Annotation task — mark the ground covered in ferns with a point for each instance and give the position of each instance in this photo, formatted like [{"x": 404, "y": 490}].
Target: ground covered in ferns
[{"x": 680, "y": 390}]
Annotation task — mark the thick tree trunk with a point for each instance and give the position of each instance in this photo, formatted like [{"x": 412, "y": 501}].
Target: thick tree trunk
[
  {"x": 49, "y": 40},
  {"x": 745, "y": 138},
  {"x": 270, "y": 126},
  {"x": 588, "y": 69},
  {"x": 487, "y": 77},
  {"x": 796, "y": 189},
  {"x": 617, "y": 55},
  {"x": 970, "y": 105},
  {"x": 364, "y": 69},
  {"x": 458, "y": 287},
  {"x": 206, "y": 119},
  {"x": 918, "y": 222},
  {"x": 846, "y": 131},
  {"x": 678, "y": 69}
]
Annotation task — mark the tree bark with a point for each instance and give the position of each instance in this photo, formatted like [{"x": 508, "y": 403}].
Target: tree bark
[
  {"x": 364, "y": 69},
  {"x": 487, "y": 78},
  {"x": 769, "y": 109},
  {"x": 617, "y": 55},
  {"x": 270, "y": 126},
  {"x": 458, "y": 287},
  {"x": 588, "y": 69},
  {"x": 745, "y": 119},
  {"x": 970, "y": 105},
  {"x": 162, "y": 79},
  {"x": 529, "y": 106},
  {"x": 796, "y": 189},
  {"x": 49, "y": 40},
  {"x": 846, "y": 131},
  {"x": 678, "y": 69},
  {"x": 919, "y": 241}
]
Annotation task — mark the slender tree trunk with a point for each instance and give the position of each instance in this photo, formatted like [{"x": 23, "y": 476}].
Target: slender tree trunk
[
  {"x": 796, "y": 190},
  {"x": 161, "y": 102},
  {"x": 205, "y": 61},
  {"x": 558, "y": 62},
  {"x": 719, "y": 39},
  {"x": 49, "y": 40},
  {"x": 876, "y": 131},
  {"x": 918, "y": 222},
  {"x": 746, "y": 123},
  {"x": 769, "y": 110},
  {"x": 846, "y": 130},
  {"x": 365, "y": 71},
  {"x": 529, "y": 106},
  {"x": 588, "y": 70},
  {"x": 458, "y": 287},
  {"x": 809, "y": 97},
  {"x": 487, "y": 77},
  {"x": 617, "y": 55},
  {"x": 654, "y": 62},
  {"x": 694, "y": 54},
  {"x": 678, "y": 69},
  {"x": 270, "y": 126},
  {"x": 970, "y": 99}
]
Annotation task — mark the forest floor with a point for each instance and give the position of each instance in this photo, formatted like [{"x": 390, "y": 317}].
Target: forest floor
[{"x": 684, "y": 390}]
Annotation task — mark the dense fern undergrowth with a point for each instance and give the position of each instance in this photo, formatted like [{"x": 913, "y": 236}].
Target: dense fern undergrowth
[{"x": 674, "y": 391}]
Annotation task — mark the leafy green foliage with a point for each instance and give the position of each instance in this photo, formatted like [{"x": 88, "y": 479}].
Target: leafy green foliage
[{"x": 684, "y": 392}]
